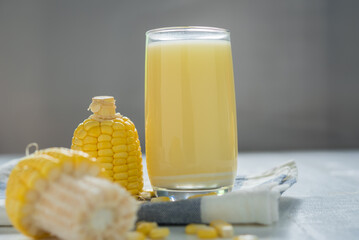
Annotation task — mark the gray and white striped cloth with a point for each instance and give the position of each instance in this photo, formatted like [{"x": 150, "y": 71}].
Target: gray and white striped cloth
[{"x": 254, "y": 199}]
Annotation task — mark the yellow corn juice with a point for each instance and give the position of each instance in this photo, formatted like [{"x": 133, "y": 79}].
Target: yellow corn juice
[{"x": 191, "y": 127}]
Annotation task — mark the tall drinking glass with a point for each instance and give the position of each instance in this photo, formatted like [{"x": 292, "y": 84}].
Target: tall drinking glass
[{"x": 191, "y": 127}]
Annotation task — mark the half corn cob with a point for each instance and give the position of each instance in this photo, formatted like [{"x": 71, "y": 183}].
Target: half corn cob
[
  {"x": 57, "y": 192},
  {"x": 113, "y": 140}
]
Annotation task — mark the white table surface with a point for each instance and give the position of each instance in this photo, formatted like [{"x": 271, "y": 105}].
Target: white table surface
[{"x": 323, "y": 204}]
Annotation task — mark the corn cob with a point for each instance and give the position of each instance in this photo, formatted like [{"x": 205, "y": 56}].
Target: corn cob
[
  {"x": 57, "y": 192},
  {"x": 113, "y": 140}
]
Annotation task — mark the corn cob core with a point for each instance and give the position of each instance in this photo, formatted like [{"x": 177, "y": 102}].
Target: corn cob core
[
  {"x": 58, "y": 192},
  {"x": 113, "y": 140}
]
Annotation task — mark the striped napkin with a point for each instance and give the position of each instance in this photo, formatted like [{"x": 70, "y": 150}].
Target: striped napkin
[{"x": 254, "y": 199}]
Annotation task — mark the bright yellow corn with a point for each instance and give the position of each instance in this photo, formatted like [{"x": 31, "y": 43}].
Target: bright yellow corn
[
  {"x": 145, "y": 227},
  {"x": 159, "y": 233},
  {"x": 57, "y": 192},
  {"x": 135, "y": 236},
  {"x": 207, "y": 232},
  {"x": 193, "y": 228},
  {"x": 113, "y": 140},
  {"x": 224, "y": 229}
]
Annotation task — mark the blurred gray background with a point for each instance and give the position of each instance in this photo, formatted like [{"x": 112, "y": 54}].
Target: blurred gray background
[{"x": 296, "y": 65}]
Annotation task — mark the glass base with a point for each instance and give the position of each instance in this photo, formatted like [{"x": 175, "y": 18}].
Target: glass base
[{"x": 181, "y": 194}]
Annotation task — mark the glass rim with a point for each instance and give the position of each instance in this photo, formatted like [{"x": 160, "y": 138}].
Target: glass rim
[{"x": 187, "y": 28}]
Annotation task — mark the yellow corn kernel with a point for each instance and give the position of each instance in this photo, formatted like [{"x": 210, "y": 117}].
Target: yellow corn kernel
[
  {"x": 132, "y": 172},
  {"x": 104, "y": 145},
  {"x": 193, "y": 228},
  {"x": 130, "y": 133},
  {"x": 89, "y": 139},
  {"x": 105, "y": 159},
  {"x": 120, "y": 176},
  {"x": 94, "y": 132},
  {"x": 92, "y": 153},
  {"x": 106, "y": 130},
  {"x": 132, "y": 185},
  {"x": 132, "y": 147},
  {"x": 135, "y": 236},
  {"x": 131, "y": 159},
  {"x": 105, "y": 152},
  {"x": 118, "y": 141},
  {"x": 104, "y": 138},
  {"x": 119, "y": 149},
  {"x": 81, "y": 134},
  {"x": 106, "y": 123},
  {"x": 159, "y": 233},
  {"x": 76, "y": 147},
  {"x": 224, "y": 229},
  {"x": 129, "y": 125},
  {"x": 77, "y": 141},
  {"x": 119, "y": 133},
  {"x": 107, "y": 166},
  {"x": 132, "y": 166},
  {"x": 108, "y": 173},
  {"x": 91, "y": 124},
  {"x": 161, "y": 199},
  {"x": 245, "y": 237},
  {"x": 207, "y": 232},
  {"x": 89, "y": 147},
  {"x": 119, "y": 161},
  {"x": 123, "y": 183},
  {"x": 145, "y": 227},
  {"x": 121, "y": 168},
  {"x": 133, "y": 179},
  {"x": 118, "y": 126}
]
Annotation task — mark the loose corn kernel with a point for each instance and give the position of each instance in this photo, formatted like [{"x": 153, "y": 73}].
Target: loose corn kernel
[
  {"x": 245, "y": 237},
  {"x": 193, "y": 228},
  {"x": 161, "y": 199},
  {"x": 145, "y": 227},
  {"x": 224, "y": 229},
  {"x": 135, "y": 236},
  {"x": 159, "y": 233},
  {"x": 207, "y": 232}
]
